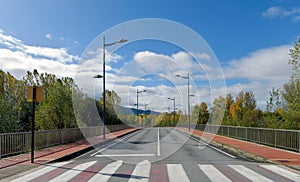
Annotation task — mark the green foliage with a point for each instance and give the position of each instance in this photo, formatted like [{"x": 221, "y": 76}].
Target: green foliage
[
  {"x": 291, "y": 95},
  {"x": 295, "y": 61},
  {"x": 112, "y": 102},
  {"x": 56, "y": 110},
  {"x": 217, "y": 111},
  {"x": 200, "y": 114},
  {"x": 13, "y": 106}
]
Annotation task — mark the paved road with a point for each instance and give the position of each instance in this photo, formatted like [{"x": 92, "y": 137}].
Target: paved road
[{"x": 159, "y": 154}]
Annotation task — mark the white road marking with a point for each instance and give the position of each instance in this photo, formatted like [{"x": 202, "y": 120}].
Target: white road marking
[
  {"x": 213, "y": 173},
  {"x": 40, "y": 172},
  {"x": 105, "y": 174},
  {"x": 219, "y": 150},
  {"x": 176, "y": 173},
  {"x": 210, "y": 146},
  {"x": 283, "y": 172},
  {"x": 141, "y": 172},
  {"x": 73, "y": 172},
  {"x": 114, "y": 143},
  {"x": 126, "y": 155},
  {"x": 248, "y": 173},
  {"x": 158, "y": 143}
]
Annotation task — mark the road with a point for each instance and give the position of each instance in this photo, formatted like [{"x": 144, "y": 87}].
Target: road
[{"x": 158, "y": 154}]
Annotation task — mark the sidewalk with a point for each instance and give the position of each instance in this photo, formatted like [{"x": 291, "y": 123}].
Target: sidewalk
[
  {"x": 251, "y": 150},
  {"x": 54, "y": 153}
]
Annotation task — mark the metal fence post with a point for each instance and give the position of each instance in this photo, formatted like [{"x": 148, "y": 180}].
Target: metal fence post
[
  {"x": 299, "y": 140},
  {"x": 0, "y": 146},
  {"x": 246, "y": 134},
  {"x": 275, "y": 138}
]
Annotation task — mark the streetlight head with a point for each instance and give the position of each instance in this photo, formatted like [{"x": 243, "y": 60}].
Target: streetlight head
[
  {"x": 144, "y": 90},
  {"x": 178, "y": 75},
  {"x": 122, "y": 41},
  {"x": 98, "y": 76},
  {"x": 192, "y": 95}
]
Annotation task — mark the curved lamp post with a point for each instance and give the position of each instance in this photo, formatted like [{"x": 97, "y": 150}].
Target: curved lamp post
[
  {"x": 137, "y": 102},
  {"x": 174, "y": 109},
  {"x": 100, "y": 76},
  {"x": 188, "y": 95}
]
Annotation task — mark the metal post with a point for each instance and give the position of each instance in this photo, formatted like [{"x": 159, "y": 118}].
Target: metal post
[
  {"x": 174, "y": 114},
  {"x": 104, "y": 95},
  {"x": 33, "y": 124},
  {"x": 276, "y": 138},
  {"x": 188, "y": 77},
  {"x": 137, "y": 106}
]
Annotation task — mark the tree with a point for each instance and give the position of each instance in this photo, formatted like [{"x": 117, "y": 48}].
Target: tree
[
  {"x": 12, "y": 104},
  {"x": 291, "y": 95},
  {"x": 295, "y": 61},
  {"x": 217, "y": 111},
  {"x": 203, "y": 114},
  {"x": 112, "y": 101},
  {"x": 56, "y": 110},
  {"x": 291, "y": 91},
  {"x": 228, "y": 119}
]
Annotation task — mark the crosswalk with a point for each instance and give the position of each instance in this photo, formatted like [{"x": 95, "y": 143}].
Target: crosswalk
[{"x": 145, "y": 171}]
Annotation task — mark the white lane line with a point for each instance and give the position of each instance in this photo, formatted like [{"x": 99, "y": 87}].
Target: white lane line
[
  {"x": 105, "y": 174},
  {"x": 73, "y": 172},
  {"x": 176, "y": 173},
  {"x": 158, "y": 143},
  {"x": 125, "y": 155},
  {"x": 213, "y": 173},
  {"x": 141, "y": 172},
  {"x": 282, "y": 172},
  {"x": 114, "y": 143},
  {"x": 248, "y": 173},
  {"x": 40, "y": 172},
  {"x": 210, "y": 146},
  {"x": 219, "y": 150}
]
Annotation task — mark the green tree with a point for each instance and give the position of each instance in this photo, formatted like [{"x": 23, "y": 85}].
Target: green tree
[
  {"x": 112, "y": 102},
  {"x": 56, "y": 110},
  {"x": 203, "y": 114}
]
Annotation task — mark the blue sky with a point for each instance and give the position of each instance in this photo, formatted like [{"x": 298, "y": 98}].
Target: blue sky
[{"x": 251, "y": 39}]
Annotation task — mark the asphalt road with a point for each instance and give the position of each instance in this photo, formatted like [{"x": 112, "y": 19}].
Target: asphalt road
[{"x": 159, "y": 154}]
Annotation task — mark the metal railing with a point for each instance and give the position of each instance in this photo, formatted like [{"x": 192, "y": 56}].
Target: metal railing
[
  {"x": 278, "y": 138},
  {"x": 16, "y": 143}
]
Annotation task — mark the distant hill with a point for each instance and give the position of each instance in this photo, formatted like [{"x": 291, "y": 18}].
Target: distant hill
[{"x": 126, "y": 110}]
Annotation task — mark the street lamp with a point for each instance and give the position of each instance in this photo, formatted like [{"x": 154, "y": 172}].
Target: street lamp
[
  {"x": 174, "y": 109},
  {"x": 100, "y": 76},
  {"x": 137, "y": 102},
  {"x": 188, "y": 95}
]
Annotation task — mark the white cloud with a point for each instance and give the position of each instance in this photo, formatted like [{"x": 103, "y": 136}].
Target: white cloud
[
  {"x": 17, "y": 58},
  {"x": 269, "y": 64},
  {"x": 260, "y": 71},
  {"x": 279, "y": 12},
  {"x": 48, "y": 36}
]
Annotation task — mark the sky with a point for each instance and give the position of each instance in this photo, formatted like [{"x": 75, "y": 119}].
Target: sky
[{"x": 243, "y": 45}]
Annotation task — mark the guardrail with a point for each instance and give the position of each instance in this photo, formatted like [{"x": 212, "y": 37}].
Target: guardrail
[
  {"x": 278, "y": 138},
  {"x": 16, "y": 143}
]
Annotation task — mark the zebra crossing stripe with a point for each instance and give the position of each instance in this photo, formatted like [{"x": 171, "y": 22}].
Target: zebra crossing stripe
[
  {"x": 105, "y": 174},
  {"x": 176, "y": 173},
  {"x": 73, "y": 172},
  {"x": 248, "y": 173},
  {"x": 213, "y": 173},
  {"x": 40, "y": 172},
  {"x": 141, "y": 172},
  {"x": 283, "y": 172}
]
